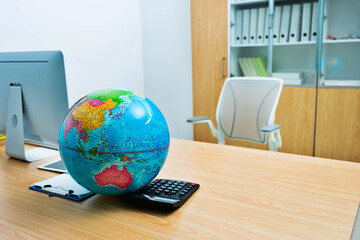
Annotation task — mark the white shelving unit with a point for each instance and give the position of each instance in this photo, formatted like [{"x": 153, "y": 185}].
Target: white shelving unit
[
  {"x": 288, "y": 56},
  {"x": 335, "y": 59}
]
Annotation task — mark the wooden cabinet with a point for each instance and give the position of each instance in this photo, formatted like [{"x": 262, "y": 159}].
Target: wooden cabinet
[
  {"x": 209, "y": 60},
  {"x": 324, "y": 125}
]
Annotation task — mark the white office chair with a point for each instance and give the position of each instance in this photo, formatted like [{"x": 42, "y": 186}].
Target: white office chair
[{"x": 246, "y": 111}]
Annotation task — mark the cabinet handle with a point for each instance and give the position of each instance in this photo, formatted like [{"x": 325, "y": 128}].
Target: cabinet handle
[{"x": 223, "y": 67}]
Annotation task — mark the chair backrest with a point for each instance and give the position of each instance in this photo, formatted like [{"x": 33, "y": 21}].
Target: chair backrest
[{"x": 246, "y": 104}]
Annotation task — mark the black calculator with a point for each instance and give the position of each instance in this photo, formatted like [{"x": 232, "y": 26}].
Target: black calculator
[{"x": 164, "y": 193}]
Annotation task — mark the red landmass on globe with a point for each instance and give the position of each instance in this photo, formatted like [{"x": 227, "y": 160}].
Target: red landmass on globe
[
  {"x": 69, "y": 124},
  {"x": 113, "y": 176},
  {"x": 95, "y": 102}
]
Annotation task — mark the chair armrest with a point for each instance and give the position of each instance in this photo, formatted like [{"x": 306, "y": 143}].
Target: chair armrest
[
  {"x": 208, "y": 121},
  {"x": 197, "y": 119},
  {"x": 270, "y": 128},
  {"x": 274, "y": 136}
]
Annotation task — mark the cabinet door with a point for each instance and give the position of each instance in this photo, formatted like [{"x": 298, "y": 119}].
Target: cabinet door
[
  {"x": 338, "y": 106},
  {"x": 338, "y": 124},
  {"x": 209, "y": 60},
  {"x": 296, "y": 116}
]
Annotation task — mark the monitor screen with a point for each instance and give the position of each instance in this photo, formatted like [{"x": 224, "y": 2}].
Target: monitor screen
[{"x": 41, "y": 77}]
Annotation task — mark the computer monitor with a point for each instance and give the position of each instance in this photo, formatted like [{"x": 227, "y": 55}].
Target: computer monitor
[{"x": 33, "y": 101}]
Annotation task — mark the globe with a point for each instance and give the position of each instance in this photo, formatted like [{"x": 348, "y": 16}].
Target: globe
[{"x": 114, "y": 141}]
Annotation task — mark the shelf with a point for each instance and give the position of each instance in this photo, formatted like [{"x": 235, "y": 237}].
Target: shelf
[
  {"x": 249, "y": 45},
  {"x": 252, "y": 2},
  {"x": 276, "y": 44},
  {"x": 248, "y": 2},
  {"x": 340, "y": 83},
  {"x": 295, "y": 43},
  {"x": 304, "y": 85},
  {"x": 342, "y": 41}
]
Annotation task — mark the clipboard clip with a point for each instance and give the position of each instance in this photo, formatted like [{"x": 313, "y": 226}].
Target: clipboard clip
[{"x": 57, "y": 189}]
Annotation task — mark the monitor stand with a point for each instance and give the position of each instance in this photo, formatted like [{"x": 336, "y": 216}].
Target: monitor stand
[{"x": 14, "y": 146}]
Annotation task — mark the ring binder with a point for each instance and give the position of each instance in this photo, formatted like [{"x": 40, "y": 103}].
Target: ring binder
[
  {"x": 253, "y": 25},
  {"x": 305, "y": 24},
  {"x": 266, "y": 28},
  {"x": 314, "y": 21},
  {"x": 246, "y": 26},
  {"x": 294, "y": 35},
  {"x": 260, "y": 26},
  {"x": 238, "y": 26},
  {"x": 285, "y": 24},
  {"x": 277, "y": 21}
]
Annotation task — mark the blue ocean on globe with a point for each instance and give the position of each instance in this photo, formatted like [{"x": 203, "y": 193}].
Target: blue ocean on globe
[{"x": 114, "y": 141}]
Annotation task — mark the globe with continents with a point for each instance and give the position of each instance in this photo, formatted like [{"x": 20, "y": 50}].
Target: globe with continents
[{"x": 114, "y": 141}]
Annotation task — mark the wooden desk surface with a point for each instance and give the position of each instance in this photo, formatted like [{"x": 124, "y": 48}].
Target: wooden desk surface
[{"x": 244, "y": 194}]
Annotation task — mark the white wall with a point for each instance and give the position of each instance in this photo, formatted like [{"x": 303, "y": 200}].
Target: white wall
[
  {"x": 166, "y": 39},
  {"x": 101, "y": 40},
  {"x": 140, "y": 45}
]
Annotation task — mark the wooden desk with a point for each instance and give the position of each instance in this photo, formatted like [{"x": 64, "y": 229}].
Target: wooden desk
[{"x": 244, "y": 194}]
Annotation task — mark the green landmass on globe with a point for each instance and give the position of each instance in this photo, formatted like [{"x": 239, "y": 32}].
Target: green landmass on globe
[{"x": 114, "y": 141}]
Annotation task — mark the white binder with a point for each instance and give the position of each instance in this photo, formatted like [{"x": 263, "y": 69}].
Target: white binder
[
  {"x": 305, "y": 23},
  {"x": 266, "y": 27},
  {"x": 277, "y": 21},
  {"x": 245, "y": 26},
  {"x": 238, "y": 26},
  {"x": 314, "y": 21},
  {"x": 253, "y": 25},
  {"x": 294, "y": 35},
  {"x": 285, "y": 24},
  {"x": 260, "y": 26}
]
